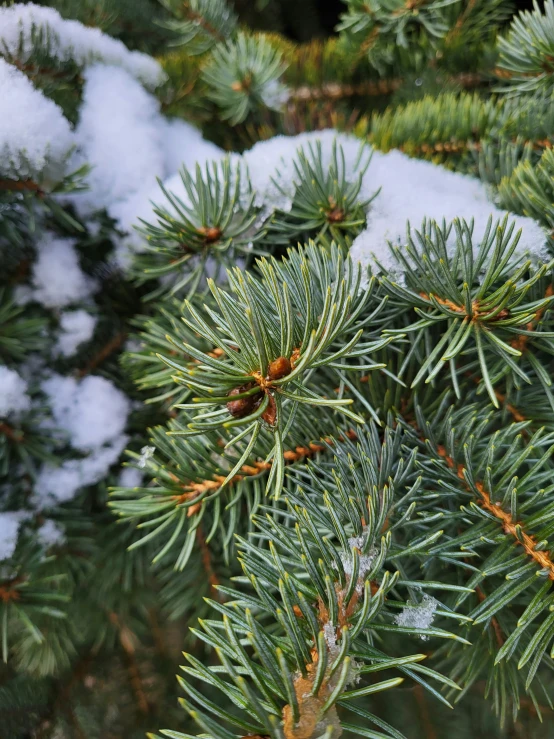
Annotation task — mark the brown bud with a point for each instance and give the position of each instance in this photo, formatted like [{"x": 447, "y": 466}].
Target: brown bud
[
  {"x": 242, "y": 407},
  {"x": 210, "y": 233},
  {"x": 279, "y": 368},
  {"x": 336, "y": 215},
  {"x": 270, "y": 413}
]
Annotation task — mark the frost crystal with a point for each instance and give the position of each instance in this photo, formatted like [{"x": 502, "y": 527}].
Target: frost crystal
[
  {"x": 365, "y": 560},
  {"x": 418, "y": 615},
  {"x": 330, "y": 634},
  {"x": 145, "y": 453}
]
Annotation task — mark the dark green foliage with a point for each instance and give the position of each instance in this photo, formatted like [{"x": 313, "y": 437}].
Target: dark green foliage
[{"x": 341, "y": 473}]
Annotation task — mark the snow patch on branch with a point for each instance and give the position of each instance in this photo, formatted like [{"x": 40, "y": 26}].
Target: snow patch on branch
[
  {"x": 129, "y": 144},
  {"x": 70, "y": 40},
  {"x": 77, "y": 326},
  {"x": 418, "y": 615},
  {"x": 13, "y": 393},
  {"x": 59, "y": 484},
  {"x": 411, "y": 190},
  {"x": 50, "y": 533},
  {"x": 10, "y": 522},
  {"x": 57, "y": 277},
  {"x": 93, "y": 413},
  {"x": 365, "y": 560},
  {"x": 35, "y": 137}
]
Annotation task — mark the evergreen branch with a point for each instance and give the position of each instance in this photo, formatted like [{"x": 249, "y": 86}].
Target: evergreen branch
[
  {"x": 244, "y": 76},
  {"x": 486, "y": 312},
  {"x": 526, "y": 53},
  {"x": 305, "y": 633},
  {"x": 207, "y": 559},
  {"x": 213, "y": 222},
  {"x": 509, "y": 525},
  {"x": 14, "y": 435},
  {"x": 282, "y": 327},
  {"x": 10, "y": 185},
  {"x": 199, "y": 24},
  {"x": 373, "y": 88}
]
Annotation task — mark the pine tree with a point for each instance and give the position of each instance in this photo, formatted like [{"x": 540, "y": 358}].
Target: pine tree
[{"x": 289, "y": 406}]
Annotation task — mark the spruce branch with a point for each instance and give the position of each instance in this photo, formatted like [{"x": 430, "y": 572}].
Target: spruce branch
[
  {"x": 188, "y": 488},
  {"x": 244, "y": 76},
  {"x": 377, "y": 27},
  {"x": 273, "y": 331},
  {"x": 481, "y": 295},
  {"x": 28, "y": 593},
  {"x": 199, "y": 24},
  {"x": 327, "y": 202},
  {"x": 528, "y": 188},
  {"x": 526, "y": 53},
  {"x": 212, "y": 221},
  {"x": 305, "y": 636},
  {"x": 20, "y": 332},
  {"x": 504, "y": 525}
]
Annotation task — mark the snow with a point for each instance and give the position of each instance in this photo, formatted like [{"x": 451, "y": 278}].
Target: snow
[
  {"x": 129, "y": 144},
  {"x": 35, "y": 137},
  {"x": 411, "y": 190},
  {"x": 418, "y": 615},
  {"x": 77, "y": 326},
  {"x": 130, "y": 477},
  {"x": 9, "y": 529},
  {"x": 118, "y": 134},
  {"x": 365, "y": 560},
  {"x": 57, "y": 278},
  {"x": 71, "y": 40},
  {"x": 145, "y": 454},
  {"x": 184, "y": 146},
  {"x": 13, "y": 393},
  {"x": 330, "y": 634},
  {"x": 50, "y": 533},
  {"x": 92, "y": 412},
  {"x": 59, "y": 484}
]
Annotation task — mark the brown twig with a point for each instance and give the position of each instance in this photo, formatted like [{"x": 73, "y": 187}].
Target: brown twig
[
  {"x": 207, "y": 559},
  {"x": 126, "y": 639},
  {"x": 371, "y": 88},
  {"x": 520, "y": 342},
  {"x": 21, "y": 186},
  {"x": 201, "y": 21},
  {"x": 510, "y": 527},
  {"x": 194, "y": 489},
  {"x": 428, "y": 727},
  {"x": 111, "y": 346},
  {"x": 11, "y": 433}
]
